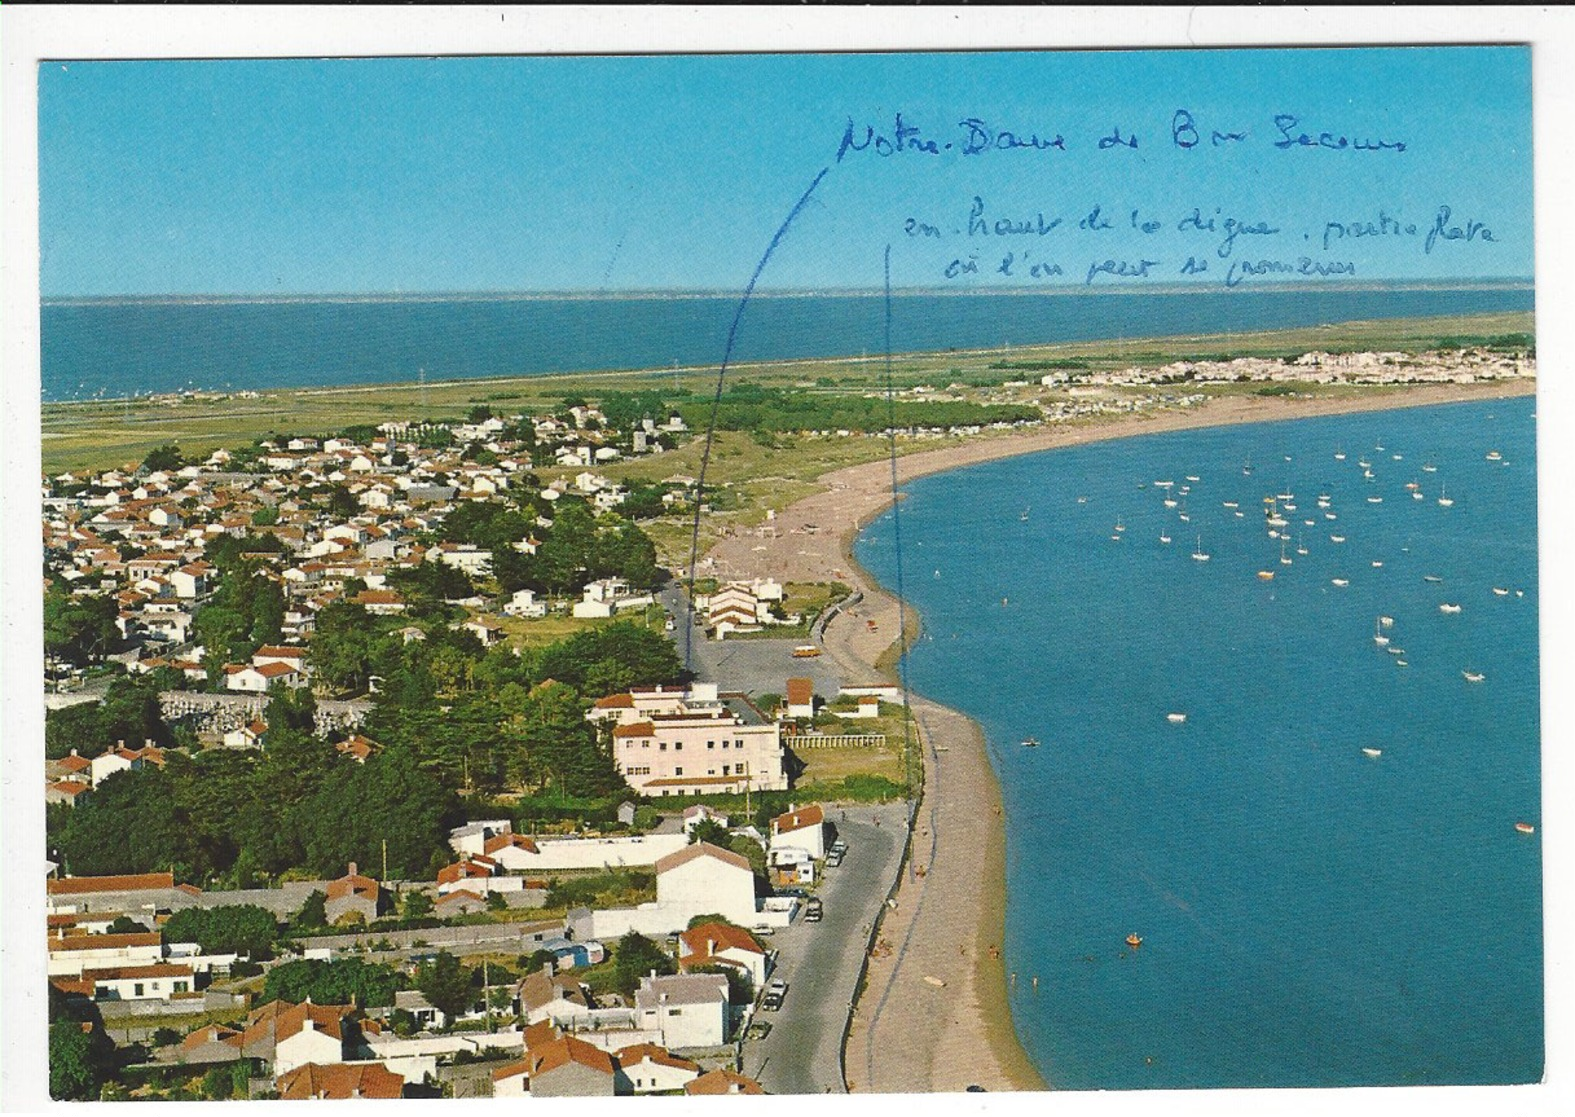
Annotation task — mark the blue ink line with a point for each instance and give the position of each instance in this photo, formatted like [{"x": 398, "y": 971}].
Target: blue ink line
[{"x": 716, "y": 404}]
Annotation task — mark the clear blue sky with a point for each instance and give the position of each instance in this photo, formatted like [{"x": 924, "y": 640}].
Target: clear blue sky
[{"x": 410, "y": 175}]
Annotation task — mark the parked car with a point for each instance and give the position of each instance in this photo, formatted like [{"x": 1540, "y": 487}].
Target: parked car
[
  {"x": 839, "y": 846},
  {"x": 774, "y": 994},
  {"x": 834, "y": 858},
  {"x": 813, "y": 910}
]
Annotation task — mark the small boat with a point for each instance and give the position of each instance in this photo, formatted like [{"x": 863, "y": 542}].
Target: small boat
[
  {"x": 1082, "y": 500},
  {"x": 1375, "y": 500},
  {"x": 1429, "y": 467},
  {"x": 1396, "y": 457},
  {"x": 1301, "y": 550},
  {"x": 1120, "y": 527},
  {"x": 1238, "y": 515},
  {"x": 1379, "y": 447},
  {"x": 1373, "y": 752},
  {"x": 1473, "y": 676},
  {"x": 1395, "y": 651},
  {"x": 1417, "y": 495},
  {"x": 1520, "y": 593},
  {"x": 1364, "y": 463},
  {"x": 1030, "y": 742},
  {"x": 1341, "y": 582},
  {"x": 1134, "y": 941},
  {"x": 1330, "y": 516},
  {"x": 1525, "y": 828},
  {"x": 1431, "y": 578},
  {"x": 1309, "y": 523},
  {"x": 1284, "y": 496},
  {"x": 1412, "y": 486},
  {"x": 1192, "y": 478},
  {"x": 1278, "y": 521},
  {"x": 1378, "y": 636},
  {"x": 1273, "y": 534},
  {"x": 1337, "y": 539},
  {"x": 1175, "y": 719},
  {"x": 1339, "y": 455},
  {"x": 1200, "y": 554},
  {"x": 1499, "y": 591},
  {"x": 1231, "y": 504},
  {"x": 1443, "y": 500},
  {"x": 1446, "y": 607},
  {"x": 1401, "y": 663},
  {"x": 1164, "y": 539},
  {"x": 1184, "y": 518},
  {"x": 1285, "y": 559},
  {"x": 1387, "y": 622},
  {"x": 1024, "y": 516},
  {"x": 1494, "y": 456},
  {"x": 1169, "y": 502},
  {"x": 1266, "y": 575},
  {"x": 1377, "y": 563}
]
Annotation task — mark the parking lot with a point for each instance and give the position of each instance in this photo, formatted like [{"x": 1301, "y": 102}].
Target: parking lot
[{"x": 820, "y": 961}]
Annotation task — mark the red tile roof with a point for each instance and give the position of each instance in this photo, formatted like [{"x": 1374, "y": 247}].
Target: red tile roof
[
  {"x": 106, "y": 942},
  {"x": 76, "y": 886},
  {"x": 639, "y": 1052},
  {"x": 565, "y": 1050},
  {"x": 723, "y": 1082},
  {"x": 800, "y": 691},
  {"x": 339, "y": 1081},
  {"x": 711, "y": 938},
  {"x": 616, "y": 702},
  {"x": 811, "y": 815},
  {"x": 635, "y": 729}
]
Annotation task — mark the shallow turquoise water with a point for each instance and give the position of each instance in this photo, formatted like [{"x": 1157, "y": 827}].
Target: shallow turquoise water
[{"x": 1310, "y": 916}]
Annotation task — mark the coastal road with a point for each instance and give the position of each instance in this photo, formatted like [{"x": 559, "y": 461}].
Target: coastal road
[{"x": 820, "y": 961}]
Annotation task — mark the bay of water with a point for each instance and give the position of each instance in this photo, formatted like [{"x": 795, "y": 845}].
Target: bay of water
[
  {"x": 1310, "y": 915},
  {"x": 116, "y": 348}
]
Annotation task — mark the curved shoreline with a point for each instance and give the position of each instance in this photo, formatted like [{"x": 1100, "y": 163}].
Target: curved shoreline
[{"x": 910, "y": 1034}]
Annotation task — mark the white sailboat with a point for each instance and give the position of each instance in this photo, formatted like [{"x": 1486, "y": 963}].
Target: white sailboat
[
  {"x": 1378, "y": 635},
  {"x": 1447, "y": 607},
  {"x": 1200, "y": 555},
  {"x": 1444, "y": 501}
]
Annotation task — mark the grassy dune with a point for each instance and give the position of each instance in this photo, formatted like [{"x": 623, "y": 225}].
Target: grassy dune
[{"x": 98, "y": 435}]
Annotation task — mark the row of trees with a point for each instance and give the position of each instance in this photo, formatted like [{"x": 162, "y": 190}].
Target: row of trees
[{"x": 750, "y": 406}]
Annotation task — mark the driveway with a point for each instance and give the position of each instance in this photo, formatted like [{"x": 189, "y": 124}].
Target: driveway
[{"x": 820, "y": 961}]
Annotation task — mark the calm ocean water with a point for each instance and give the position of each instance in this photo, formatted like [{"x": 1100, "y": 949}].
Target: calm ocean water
[
  {"x": 131, "y": 348},
  {"x": 1310, "y": 915}
]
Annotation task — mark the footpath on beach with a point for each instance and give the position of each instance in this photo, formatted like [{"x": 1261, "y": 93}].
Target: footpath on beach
[{"x": 934, "y": 1013}]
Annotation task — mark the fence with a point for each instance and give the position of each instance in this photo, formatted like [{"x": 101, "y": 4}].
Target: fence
[{"x": 835, "y": 740}]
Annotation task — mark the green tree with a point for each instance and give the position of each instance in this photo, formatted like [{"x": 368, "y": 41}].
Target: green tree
[
  {"x": 634, "y": 957},
  {"x": 218, "y": 1084},
  {"x": 339, "y": 982},
  {"x": 230, "y": 929},
  {"x": 710, "y": 830},
  {"x": 446, "y": 984},
  {"x": 165, "y": 458},
  {"x": 80, "y": 630},
  {"x": 418, "y": 904},
  {"x": 313, "y": 915},
  {"x": 73, "y": 1067},
  {"x": 125, "y": 925}
]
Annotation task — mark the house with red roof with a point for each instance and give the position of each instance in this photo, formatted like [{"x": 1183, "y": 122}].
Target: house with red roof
[
  {"x": 647, "y": 1068},
  {"x": 570, "y": 1067},
  {"x": 722, "y": 944},
  {"x": 723, "y": 1081},
  {"x": 352, "y": 892},
  {"x": 801, "y": 828}
]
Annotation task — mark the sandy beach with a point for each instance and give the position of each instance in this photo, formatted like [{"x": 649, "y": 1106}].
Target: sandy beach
[{"x": 934, "y": 1014}]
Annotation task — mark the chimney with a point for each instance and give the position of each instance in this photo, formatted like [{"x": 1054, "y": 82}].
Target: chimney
[{"x": 352, "y": 869}]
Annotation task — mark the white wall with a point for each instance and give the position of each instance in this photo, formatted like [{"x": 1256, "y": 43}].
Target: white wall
[{"x": 590, "y": 853}]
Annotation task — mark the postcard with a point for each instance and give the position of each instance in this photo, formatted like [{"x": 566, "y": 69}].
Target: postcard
[{"x": 876, "y": 571}]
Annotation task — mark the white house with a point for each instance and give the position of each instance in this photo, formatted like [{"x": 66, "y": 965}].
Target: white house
[
  {"x": 117, "y": 759},
  {"x": 668, "y": 742},
  {"x": 704, "y": 878},
  {"x": 651, "y": 1069},
  {"x": 155, "y": 981},
  {"x": 800, "y": 828},
  {"x": 800, "y": 698},
  {"x": 721, "y": 944},
  {"x": 689, "y": 1010},
  {"x": 524, "y": 604}
]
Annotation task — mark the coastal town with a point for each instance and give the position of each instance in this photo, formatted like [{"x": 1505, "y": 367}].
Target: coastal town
[{"x": 407, "y": 760}]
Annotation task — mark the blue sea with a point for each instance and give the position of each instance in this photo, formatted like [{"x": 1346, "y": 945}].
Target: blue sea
[
  {"x": 115, "y": 348},
  {"x": 1310, "y": 915}
]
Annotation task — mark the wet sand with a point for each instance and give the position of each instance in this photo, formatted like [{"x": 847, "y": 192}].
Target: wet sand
[{"x": 934, "y": 1014}]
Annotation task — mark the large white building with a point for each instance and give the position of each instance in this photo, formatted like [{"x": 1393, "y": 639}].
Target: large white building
[{"x": 696, "y": 742}]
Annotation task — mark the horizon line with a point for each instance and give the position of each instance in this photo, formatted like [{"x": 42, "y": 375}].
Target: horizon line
[{"x": 634, "y": 293}]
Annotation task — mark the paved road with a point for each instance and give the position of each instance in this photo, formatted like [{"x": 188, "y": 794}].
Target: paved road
[{"x": 820, "y": 961}]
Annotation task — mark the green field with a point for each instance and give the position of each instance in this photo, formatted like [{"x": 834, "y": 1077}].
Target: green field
[{"x": 100, "y": 435}]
